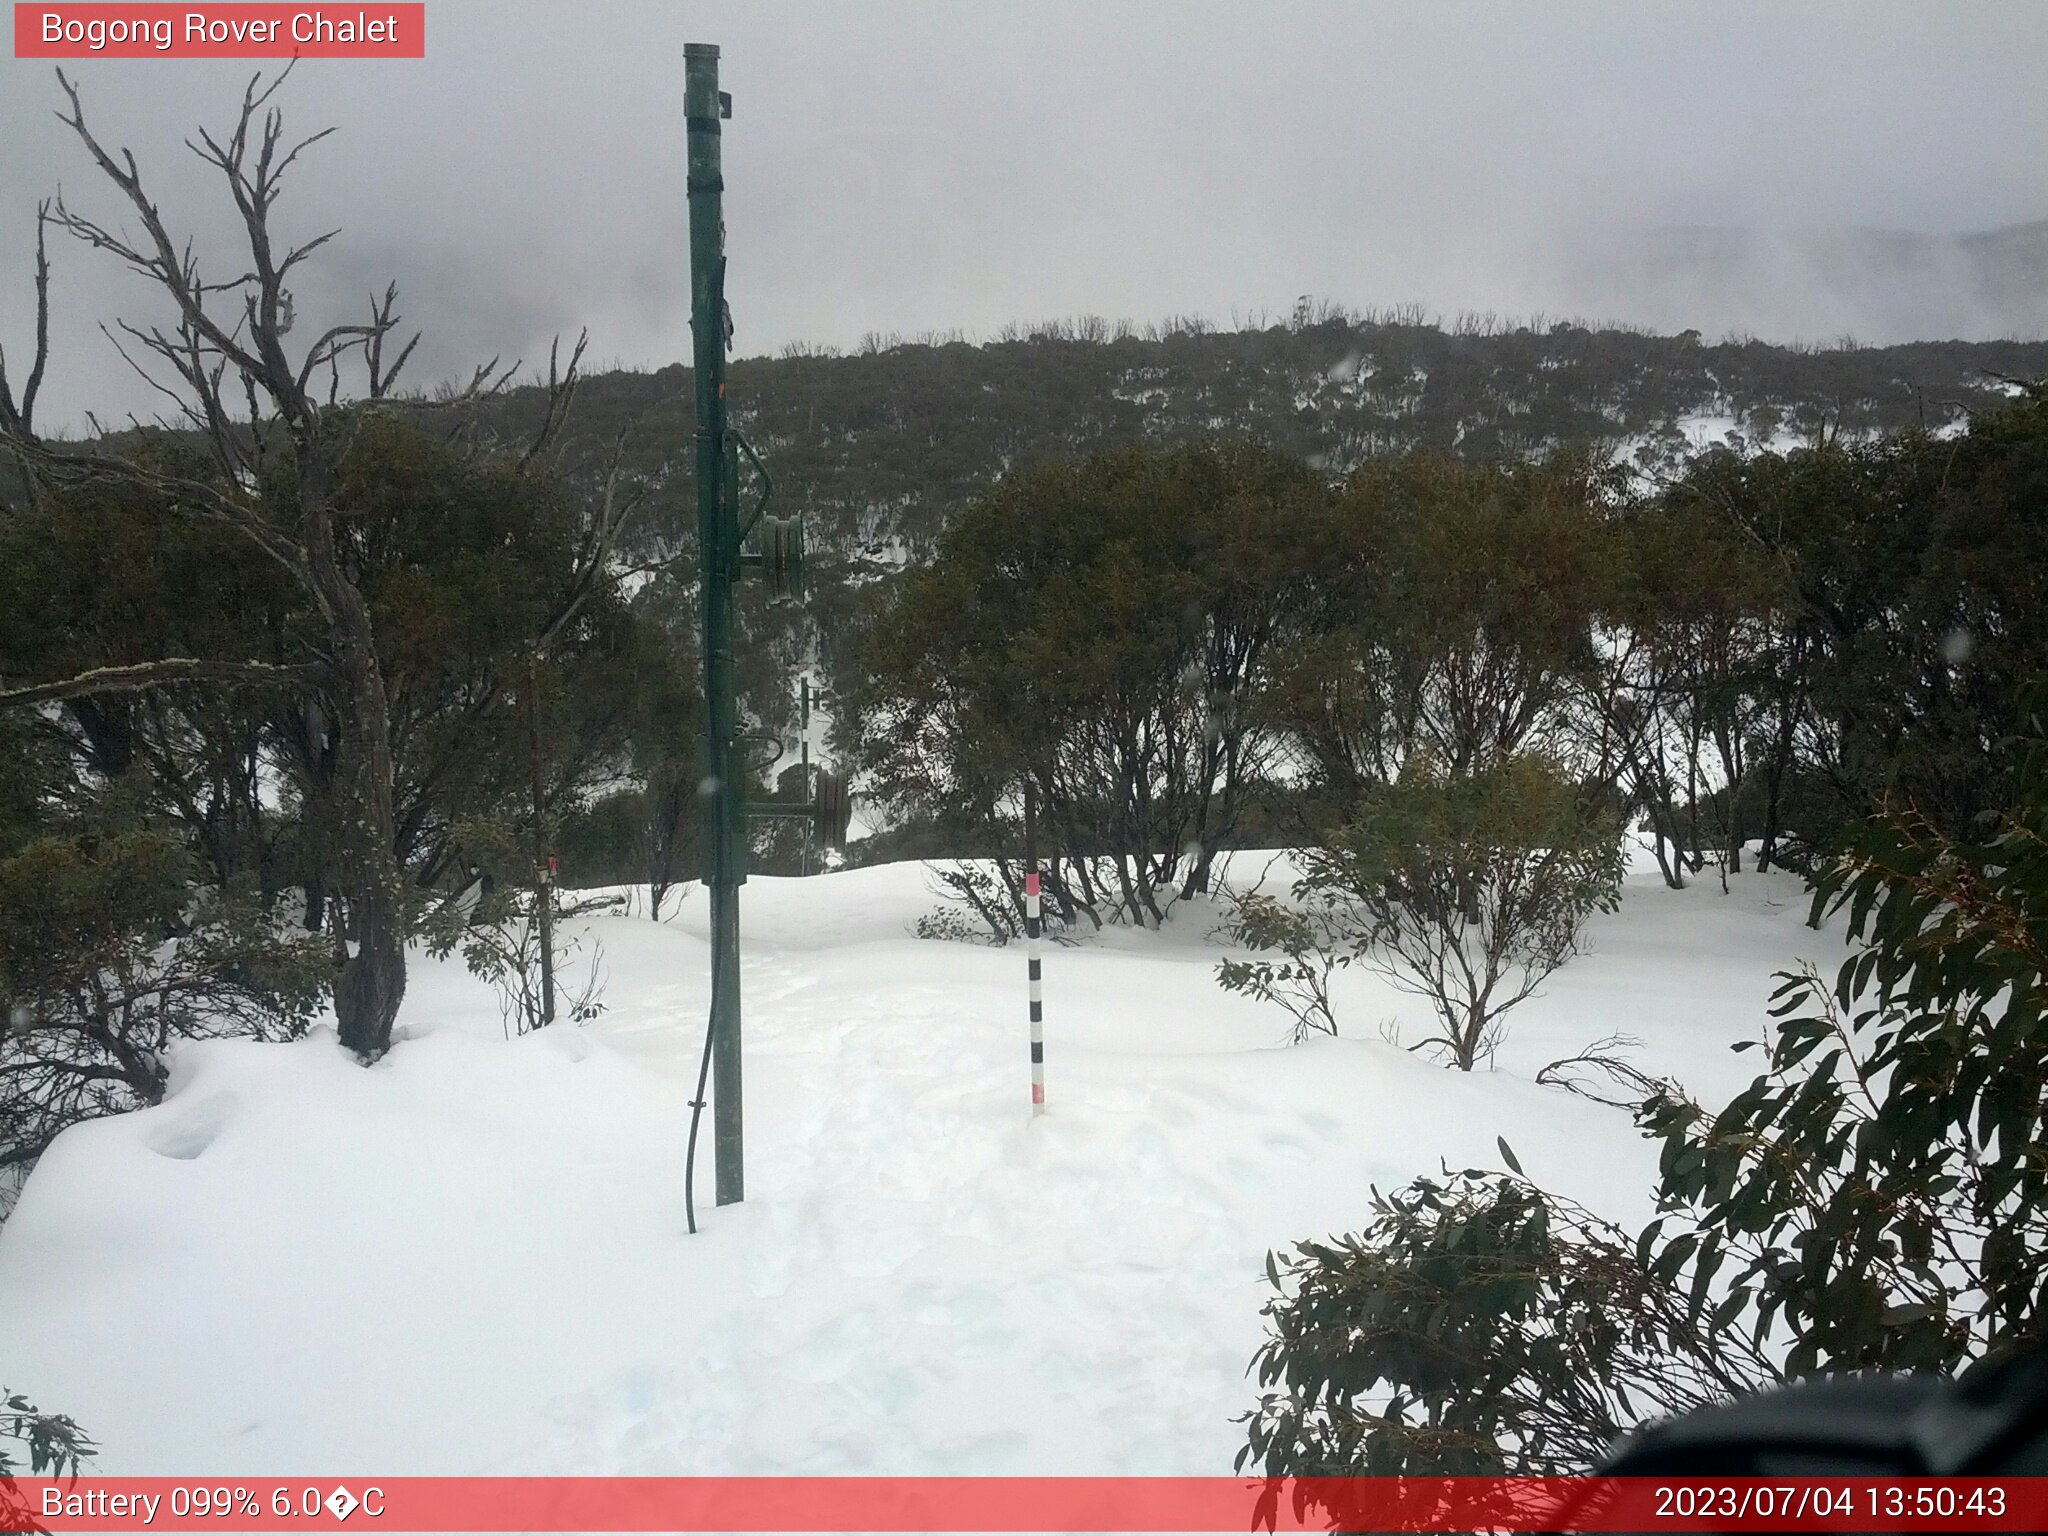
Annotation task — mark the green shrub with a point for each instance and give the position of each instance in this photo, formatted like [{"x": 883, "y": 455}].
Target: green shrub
[
  {"x": 1876, "y": 1199},
  {"x": 53, "y": 1445},
  {"x": 1463, "y": 888}
]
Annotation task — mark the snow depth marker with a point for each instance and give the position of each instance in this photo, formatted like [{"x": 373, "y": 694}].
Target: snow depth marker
[
  {"x": 1032, "y": 929},
  {"x": 1031, "y": 926}
]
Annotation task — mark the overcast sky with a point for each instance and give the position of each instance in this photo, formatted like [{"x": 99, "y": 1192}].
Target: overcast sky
[{"x": 903, "y": 167}]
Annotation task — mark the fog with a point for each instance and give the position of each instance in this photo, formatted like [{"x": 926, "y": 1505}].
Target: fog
[{"x": 1793, "y": 170}]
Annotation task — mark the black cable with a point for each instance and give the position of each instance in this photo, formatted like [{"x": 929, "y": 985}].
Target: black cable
[{"x": 696, "y": 1115}]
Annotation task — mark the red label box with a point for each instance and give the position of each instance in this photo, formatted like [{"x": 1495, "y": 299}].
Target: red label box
[
  {"x": 216, "y": 31},
  {"x": 1224, "y": 1505}
]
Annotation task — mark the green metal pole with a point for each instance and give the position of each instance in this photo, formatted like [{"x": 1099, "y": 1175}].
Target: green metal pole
[{"x": 718, "y": 533}]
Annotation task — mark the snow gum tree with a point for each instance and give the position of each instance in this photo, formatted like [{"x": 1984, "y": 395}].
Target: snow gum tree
[
  {"x": 227, "y": 342},
  {"x": 1100, "y": 628},
  {"x": 1681, "y": 704},
  {"x": 1794, "y": 638},
  {"x": 377, "y": 714},
  {"x": 1452, "y": 603}
]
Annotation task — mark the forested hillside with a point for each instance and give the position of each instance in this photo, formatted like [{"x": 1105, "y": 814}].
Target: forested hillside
[{"x": 879, "y": 447}]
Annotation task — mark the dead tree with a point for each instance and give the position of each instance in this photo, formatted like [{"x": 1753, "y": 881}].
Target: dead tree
[{"x": 259, "y": 410}]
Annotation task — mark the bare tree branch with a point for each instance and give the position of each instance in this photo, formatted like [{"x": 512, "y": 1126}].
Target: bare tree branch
[
  {"x": 162, "y": 262},
  {"x": 18, "y": 420},
  {"x": 615, "y": 509},
  {"x": 24, "y": 418},
  {"x": 383, "y": 321},
  {"x": 1606, "y": 1058},
  {"x": 155, "y": 674},
  {"x": 561, "y": 392}
]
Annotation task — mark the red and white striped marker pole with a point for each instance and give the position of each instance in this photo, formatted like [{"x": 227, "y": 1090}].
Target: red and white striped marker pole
[{"x": 1032, "y": 929}]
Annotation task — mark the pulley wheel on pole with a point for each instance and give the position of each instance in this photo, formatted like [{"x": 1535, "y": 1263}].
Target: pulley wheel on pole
[{"x": 834, "y": 810}]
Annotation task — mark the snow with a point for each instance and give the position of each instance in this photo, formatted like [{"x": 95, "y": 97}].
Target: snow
[
  {"x": 471, "y": 1258},
  {"x": 1704, "y": 429}
]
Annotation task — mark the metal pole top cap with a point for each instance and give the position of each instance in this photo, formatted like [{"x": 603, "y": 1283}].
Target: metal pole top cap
[{"x": 700, "y": 50}]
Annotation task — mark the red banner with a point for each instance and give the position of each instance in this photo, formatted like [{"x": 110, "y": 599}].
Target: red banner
[
  {"x": 949, "y": 1504},
  {"x": 216, "y": 31}
]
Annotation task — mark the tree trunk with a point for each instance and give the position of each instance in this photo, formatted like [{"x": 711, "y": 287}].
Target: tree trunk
[
  {"x": 372, "y": 981},
  {"x": 1671, "y": 873},
  {"x": 1468, "y": 1039},
  {"x": 543, "y": 871}
]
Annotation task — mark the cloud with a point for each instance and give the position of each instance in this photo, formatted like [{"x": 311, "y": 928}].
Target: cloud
[{"x": 941, "y": 165}]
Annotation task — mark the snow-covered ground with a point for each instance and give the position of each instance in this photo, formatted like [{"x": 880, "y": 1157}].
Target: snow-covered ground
[{"x": 472, "y": 1257}]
